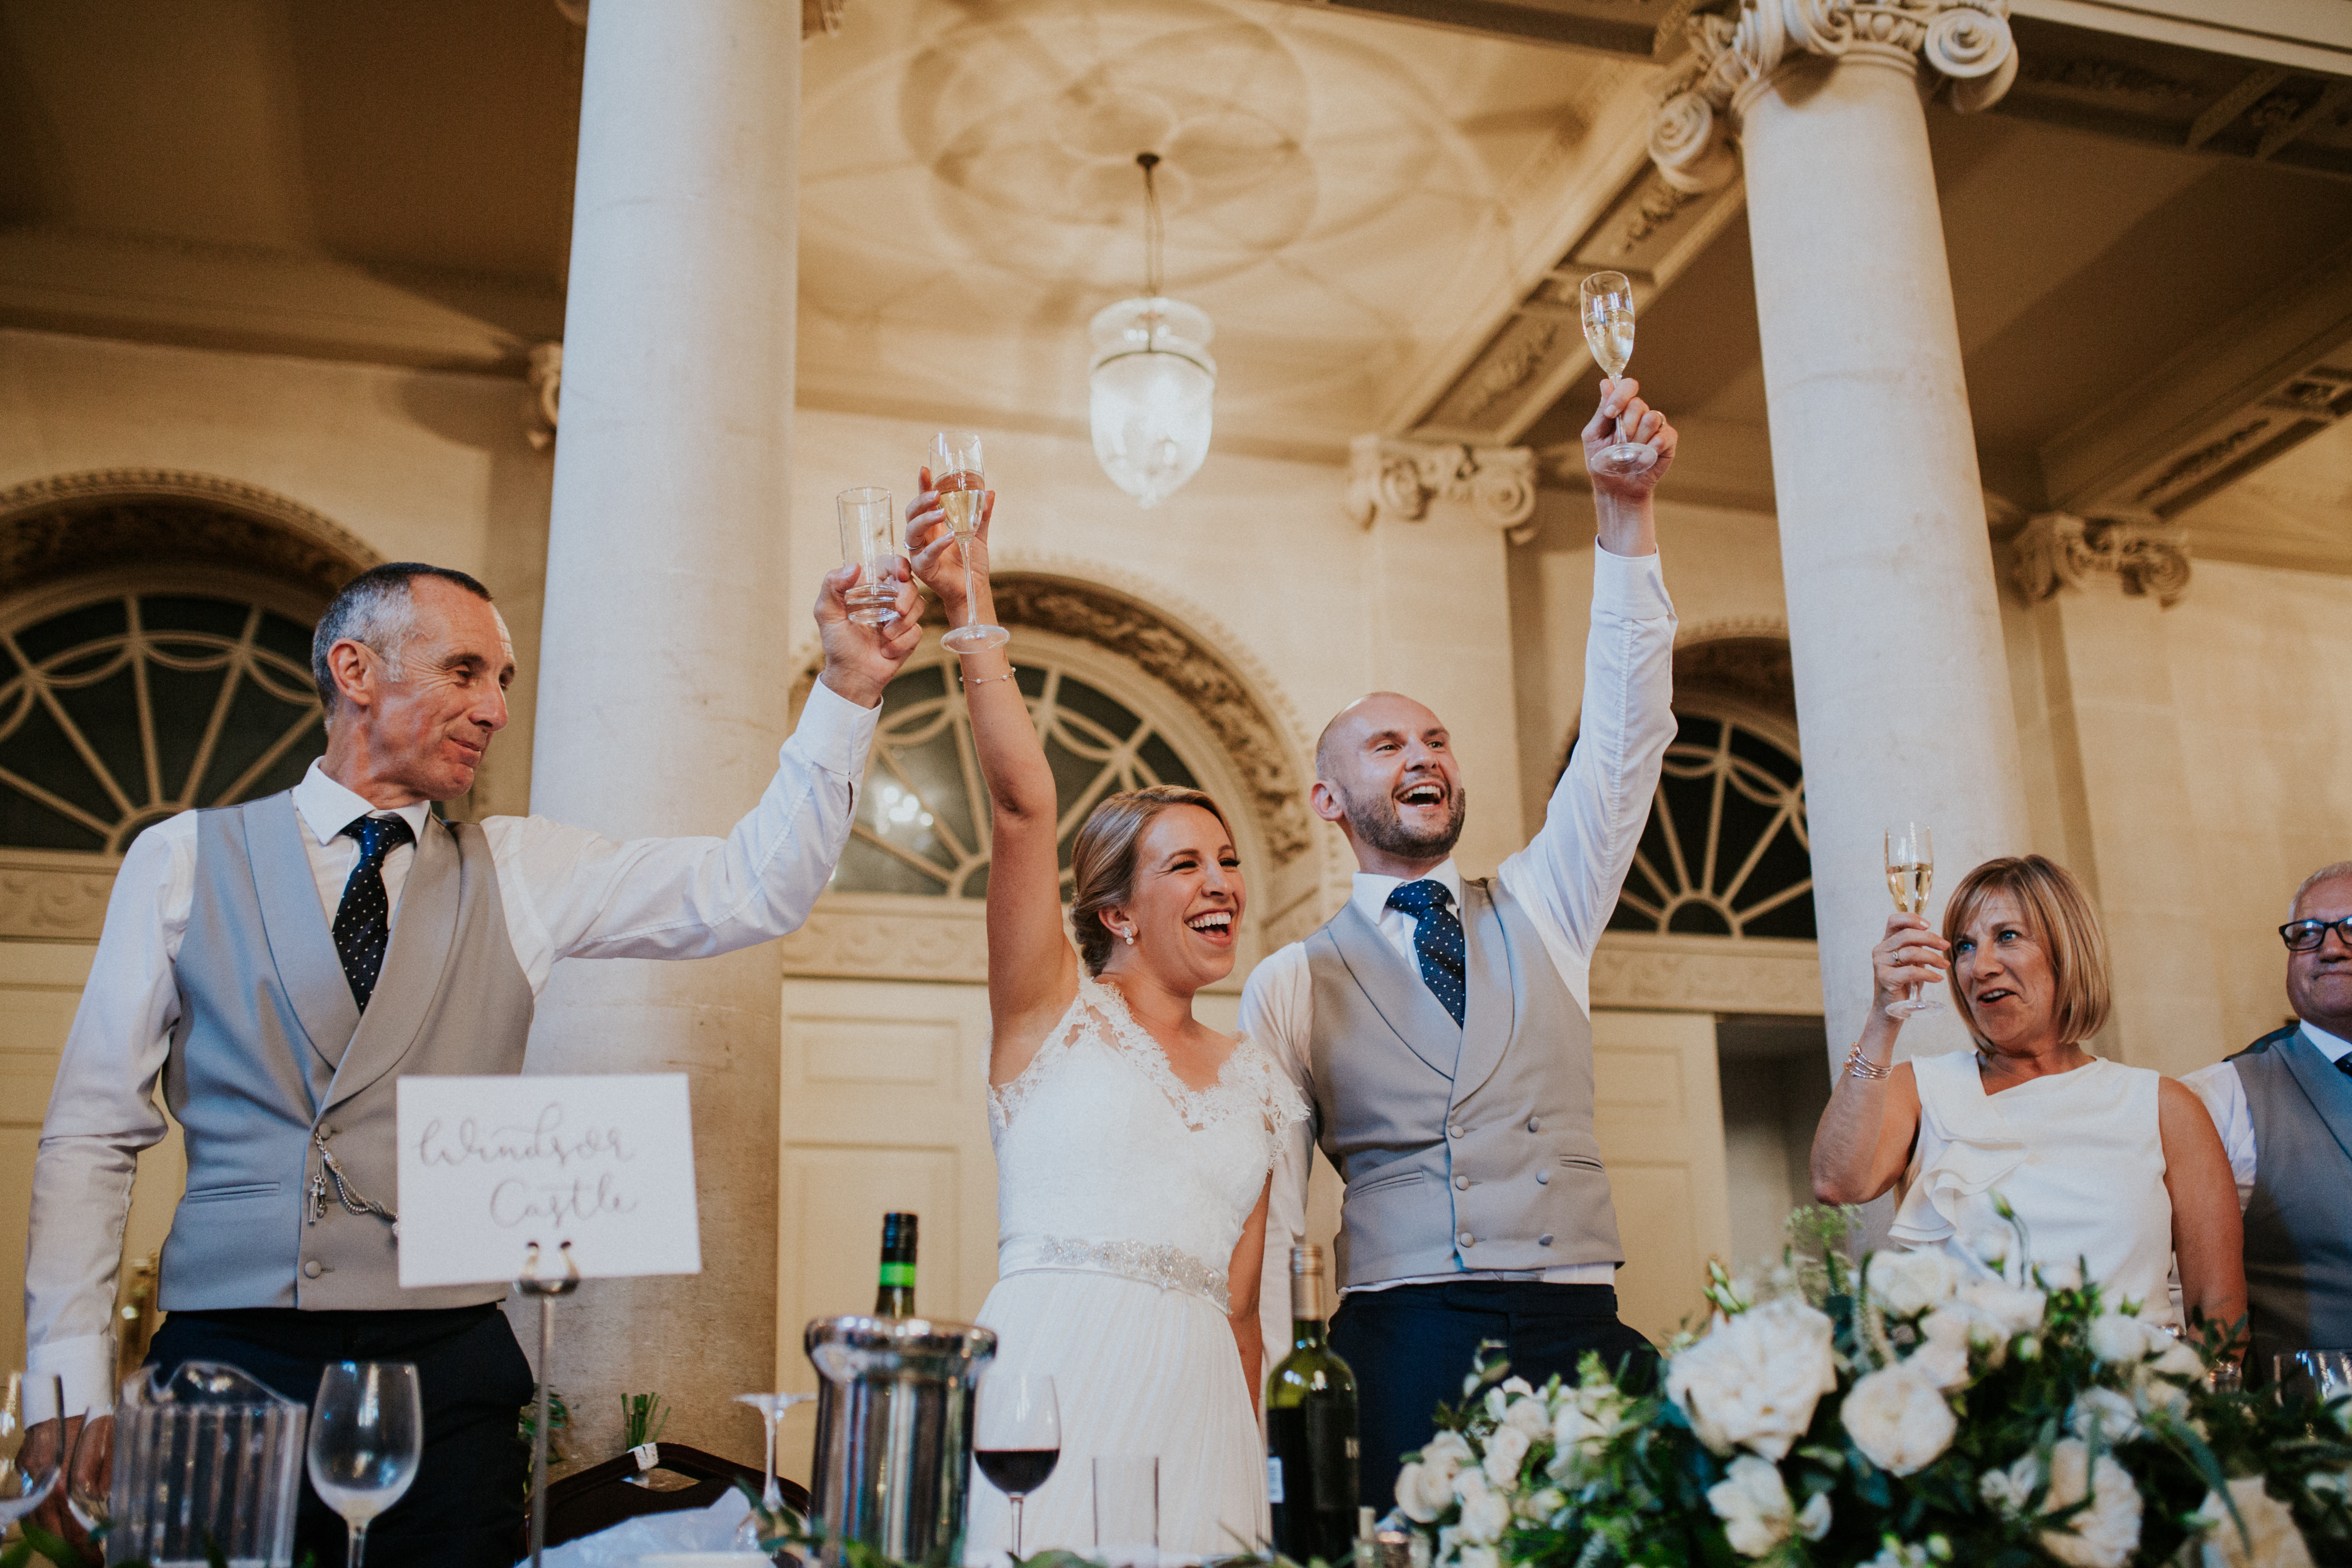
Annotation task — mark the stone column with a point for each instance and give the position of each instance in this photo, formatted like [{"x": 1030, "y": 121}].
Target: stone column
[
  {"x": 663, "y": 678},
  {"x": 1903, "y": 695},
  {"x": 1437, "y": 613}
]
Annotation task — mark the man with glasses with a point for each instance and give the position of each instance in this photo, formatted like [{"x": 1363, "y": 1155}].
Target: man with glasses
[{"x": 2283, "y": 1106}]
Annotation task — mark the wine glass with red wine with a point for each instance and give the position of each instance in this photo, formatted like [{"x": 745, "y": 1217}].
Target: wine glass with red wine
[{"x": 1016, "y": 1436}]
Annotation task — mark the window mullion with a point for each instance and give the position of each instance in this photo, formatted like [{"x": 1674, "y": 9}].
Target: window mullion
[
  {"x": 231, "y": 670},
  {"x": 150, "y": 753}
]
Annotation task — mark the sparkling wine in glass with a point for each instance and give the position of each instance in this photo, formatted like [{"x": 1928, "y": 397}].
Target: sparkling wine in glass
[
  {"x": 1910, "y": 873},
  {"x": 1016, "y": 1436},
  {"x": 1607, "y": 305},
  {"x": 367, "y": 1433},
  {"x": 772, "y": 1408},
  {"x": 957, "y": 476},
  {"x": 32, "y": 1443}
]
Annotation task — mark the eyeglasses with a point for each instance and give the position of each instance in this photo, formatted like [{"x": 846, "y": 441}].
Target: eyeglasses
[{"x": 2305, "y": 936}]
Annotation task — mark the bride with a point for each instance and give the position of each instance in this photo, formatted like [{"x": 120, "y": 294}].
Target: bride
[{"x": 1133, "y": 1142}]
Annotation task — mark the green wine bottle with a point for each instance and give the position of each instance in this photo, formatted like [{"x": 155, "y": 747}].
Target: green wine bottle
[
  {"x": 895, "y": 1296},
  {"x": 1310, "y": 1423}
]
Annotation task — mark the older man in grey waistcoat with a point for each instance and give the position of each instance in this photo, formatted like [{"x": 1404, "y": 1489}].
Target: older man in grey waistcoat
[
  {"x": 280, "y": 965},
  {"x": 2283, "y": 1107},
  {"x": 1439, "y": 1025}
]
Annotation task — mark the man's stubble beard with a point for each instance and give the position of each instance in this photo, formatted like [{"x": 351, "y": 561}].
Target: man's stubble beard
[{"x": 1376, "y": 825}]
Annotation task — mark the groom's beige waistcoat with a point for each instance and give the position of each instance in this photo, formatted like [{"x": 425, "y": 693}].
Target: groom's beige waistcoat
[
  {"x": 270, "y": 1047},
  {"x": 1465, "y": 1147}
]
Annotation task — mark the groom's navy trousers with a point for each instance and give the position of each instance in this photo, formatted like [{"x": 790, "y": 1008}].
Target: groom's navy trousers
[{"x": 1410, "y": 1345}]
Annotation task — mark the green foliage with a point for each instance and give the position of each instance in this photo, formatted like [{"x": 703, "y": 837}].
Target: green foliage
[{"x": 643, "y": 1418}]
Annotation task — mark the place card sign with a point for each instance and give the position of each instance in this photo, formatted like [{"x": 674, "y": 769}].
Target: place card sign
[{"x": 490, "y": 1165}]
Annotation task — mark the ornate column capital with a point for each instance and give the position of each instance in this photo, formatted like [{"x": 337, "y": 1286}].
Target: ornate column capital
[
  {"x": 1967, "y": 43},
  {"x": 2058, "y": 549},
  {"x": 541, "y": 404},
  {"x": 1404, "y": 479}
]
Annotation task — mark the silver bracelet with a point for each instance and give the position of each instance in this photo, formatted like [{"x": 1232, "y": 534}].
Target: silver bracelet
[
  {"x": 1863, "y": 1067},
  {"x": 969, "y": 684}
]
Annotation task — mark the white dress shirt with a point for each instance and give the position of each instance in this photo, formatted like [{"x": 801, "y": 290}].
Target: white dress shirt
[
  {"x": 567, "y": 892},
  {"x": 1567, "y": 879},
  {"x": 2224, "y": 1094}
]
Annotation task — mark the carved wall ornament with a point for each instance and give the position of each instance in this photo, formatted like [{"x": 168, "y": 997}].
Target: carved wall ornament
[
  {"x": 49, "y": 897},
  {"x": 1967, "y": 43},
  {"x": 2059, "y": 550},
  {"x": 544, "y": 401},
  {"x": 1403, "y": 478},
  {"x": 74, "y": 523},
  {"x": 1514, "y": 366},
  {"x": 2193, "y": 465}
]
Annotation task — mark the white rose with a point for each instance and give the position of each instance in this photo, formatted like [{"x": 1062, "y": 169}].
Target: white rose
[
  {"x": 2277, "y": 1542},
  {"x": 1908, "y": 1283},
  {"x": 1480, "y": 1557},
  {"x": 2007, "y": 1489},
  {"x": 1753, "y": 1381},
  {"x": 1470, "y": 1484},
  {"x": 1900, "y": 1419},
  {"x": 2104, "y": 1535},
  {"x": 1945, "y": 1335},
  {"x": 2120, "y": 1341},
  {"x": 1424, "y": 1492},
  {"x": 1529, "y": 1417},
  {"x": 1813, "y": 1519},
  {"x": 1752, "y": 1500},
  {"x": 2114, "y": 1413},
  {"x": 1540, "y": 1506},
  {"x": 1519, "y": 1385},
  {"x": 2017, "y": 1310},
  {"x": 1505, "y": 1451},
  {"x": 1486, "y": 1513},
  {"x": 1448, "y": 1451}
]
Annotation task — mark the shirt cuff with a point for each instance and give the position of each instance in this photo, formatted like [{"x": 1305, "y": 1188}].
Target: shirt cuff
[
  {"x": 835, "y": 733},
  {"x": 1629, "y": 586},
  {"x": 86, "y": 1367}
]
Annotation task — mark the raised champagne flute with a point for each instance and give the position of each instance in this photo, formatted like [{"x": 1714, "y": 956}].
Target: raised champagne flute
[
  {"x": 962, "y": 490},
  {"x": 1910, "y": 872},
  {"x": 367, "y": 1434},
  {"x": 1607, "y": 301},
  {"x": 1016, "y": 1436}
]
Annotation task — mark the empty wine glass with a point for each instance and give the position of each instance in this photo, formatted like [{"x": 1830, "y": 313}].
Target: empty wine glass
[
  {"x": 32, "y": 1443},
  {"x": 367, "y": 1434},
  {"x": 1016, "y": 1436},
  {"x": 1606, "y": 303},
  {"x": 962, "y": 491},
  {"x": 772, "y": 1408},
  {"x": 1910, "y": 872}
]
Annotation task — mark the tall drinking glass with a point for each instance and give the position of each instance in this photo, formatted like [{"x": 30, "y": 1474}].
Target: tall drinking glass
[
  {"x": 1606, "y": 303},
  {"x": 1126, "y": 1512},
  {"x": 1016, "y": 1436},
  {"x": 367, "y": 1433},
  {"x": 32, "y": 1443},
  {"x": 869, "y": 542},
  {"x": 1910, "y": 872},
  {"x": 962, "y": 490}
]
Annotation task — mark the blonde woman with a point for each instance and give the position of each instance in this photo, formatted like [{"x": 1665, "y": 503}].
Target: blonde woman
[
  {"x": 2114, "y": 1168},
  {"x": 1133, "y": 1142}
]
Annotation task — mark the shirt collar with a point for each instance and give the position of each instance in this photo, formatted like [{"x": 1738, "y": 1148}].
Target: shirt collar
[
  {"x": 327, "y": 808},
  {"x": 2329, "y": 1045},
  {"x": 1371, "y": 891}
]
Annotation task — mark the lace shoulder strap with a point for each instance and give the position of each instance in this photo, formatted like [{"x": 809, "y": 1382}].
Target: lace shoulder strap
[{"x": 1005, "y": 1099}]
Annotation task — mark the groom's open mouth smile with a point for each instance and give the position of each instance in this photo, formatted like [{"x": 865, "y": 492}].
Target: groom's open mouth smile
[{"x": 1423, "y": 794}]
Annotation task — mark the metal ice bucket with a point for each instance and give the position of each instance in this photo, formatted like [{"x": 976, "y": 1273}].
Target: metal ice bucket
[
  {"x": 210, "y": 1456},
  {"x": 894, "y": 1433}
]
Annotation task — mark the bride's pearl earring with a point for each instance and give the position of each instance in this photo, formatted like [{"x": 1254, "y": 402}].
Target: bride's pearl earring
[{"x": 1129, "y": 934}]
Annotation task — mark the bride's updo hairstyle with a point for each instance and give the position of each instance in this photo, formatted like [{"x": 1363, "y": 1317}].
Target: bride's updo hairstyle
[
  {"x": 1102, "y": 859},
  {"x": 2059, "y": 917}
]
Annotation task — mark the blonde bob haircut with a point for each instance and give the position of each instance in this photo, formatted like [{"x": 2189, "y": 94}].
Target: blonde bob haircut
[
  {"x": 2057, "y": 914},
  {"x": 1102, "y": 859}
]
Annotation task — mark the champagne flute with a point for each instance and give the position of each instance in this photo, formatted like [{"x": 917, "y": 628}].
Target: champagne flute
[
  {"x": 367, "y": 1434},
  {"x": 869, "y": 542},
  {"x": 962, "y": 492},
  {"x": 1607, "y": 308},
  {"x": 1910, "y": 872},
  {"x": 1017, "y": 1436},
  {"x": 772, "y": 1408},
  {"x": 32, "y": 1443}
]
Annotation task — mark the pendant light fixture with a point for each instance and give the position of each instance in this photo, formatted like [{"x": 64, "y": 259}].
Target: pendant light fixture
[{"x": 1152, "y": 380}]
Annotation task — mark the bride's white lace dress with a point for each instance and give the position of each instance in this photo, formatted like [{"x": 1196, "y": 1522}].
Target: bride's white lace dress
[{"x": 1120, "y": 1196}]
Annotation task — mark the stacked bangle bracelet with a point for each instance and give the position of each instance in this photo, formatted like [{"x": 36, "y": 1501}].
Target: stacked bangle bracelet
[{"x": 1863, "y": 1066}]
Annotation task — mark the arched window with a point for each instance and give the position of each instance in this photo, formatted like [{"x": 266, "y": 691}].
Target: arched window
[
  {"x": 1726, "y": 851},
  {"x": 922, "y": 828},
  {"x": 118, "y": 708}
]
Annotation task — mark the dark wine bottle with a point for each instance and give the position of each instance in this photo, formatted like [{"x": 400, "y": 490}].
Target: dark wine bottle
[
  {"x": 895, "y": 1297},
  {"x": 1310, "y": 1423}
]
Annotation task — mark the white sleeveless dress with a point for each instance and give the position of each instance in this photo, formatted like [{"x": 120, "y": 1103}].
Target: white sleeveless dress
[
  {"x": 2079, "y": 1156},
  {"x": 1120, "y": 1197}
]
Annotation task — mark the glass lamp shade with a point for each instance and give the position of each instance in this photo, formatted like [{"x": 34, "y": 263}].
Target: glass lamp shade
[{"x": 1153, "y": 387}]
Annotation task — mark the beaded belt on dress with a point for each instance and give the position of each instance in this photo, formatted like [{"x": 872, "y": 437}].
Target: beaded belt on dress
[{"x": 1150, "y": 1263}]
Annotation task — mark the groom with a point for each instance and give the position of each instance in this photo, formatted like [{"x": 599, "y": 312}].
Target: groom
[{"x": 1439, "y": 1026}]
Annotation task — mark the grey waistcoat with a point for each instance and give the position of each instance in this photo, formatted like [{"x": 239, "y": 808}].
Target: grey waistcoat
[
  {"x": 270, "y": 1044},
  {"x": 1464, "y": 1147},
  {"x": 2299, "y": 1220}
]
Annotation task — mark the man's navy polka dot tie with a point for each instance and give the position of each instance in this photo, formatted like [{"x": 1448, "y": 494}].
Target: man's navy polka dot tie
[
  {"x": 1436, "y": 938},
  {"x": 364, "y": 923}
]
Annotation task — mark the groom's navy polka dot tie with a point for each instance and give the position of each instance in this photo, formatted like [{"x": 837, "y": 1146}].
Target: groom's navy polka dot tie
[
  {"x": 1436, "y": 938},
  {"x": 363, "y": 923}
]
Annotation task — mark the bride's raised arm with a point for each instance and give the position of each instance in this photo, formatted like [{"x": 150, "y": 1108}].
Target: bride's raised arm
[{"x": 1033, "y": 972}]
